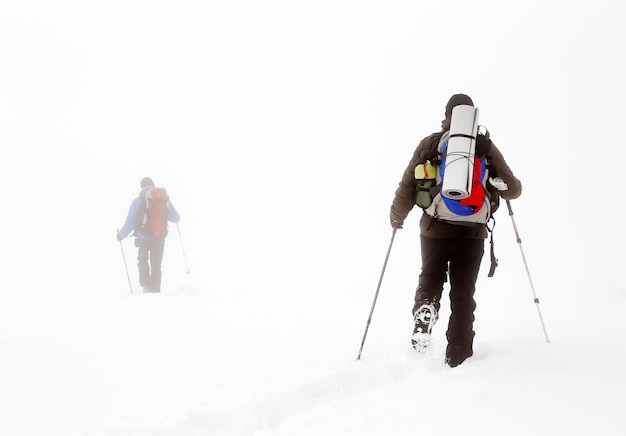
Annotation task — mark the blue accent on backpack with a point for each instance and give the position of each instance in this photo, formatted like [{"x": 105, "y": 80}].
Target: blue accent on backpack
[{"x": 472, "y": 204}]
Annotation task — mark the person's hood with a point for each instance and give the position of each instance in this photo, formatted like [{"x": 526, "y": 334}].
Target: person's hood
[{"x": 455, "y": 100}]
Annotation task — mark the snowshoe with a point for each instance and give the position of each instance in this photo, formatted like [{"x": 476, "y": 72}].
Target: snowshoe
[{"x": 425, "y": 318}]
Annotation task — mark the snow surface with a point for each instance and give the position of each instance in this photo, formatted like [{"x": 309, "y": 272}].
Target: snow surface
[{"x": 281, "y": 130}]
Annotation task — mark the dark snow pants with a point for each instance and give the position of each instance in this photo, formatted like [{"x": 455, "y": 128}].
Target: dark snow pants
[
  {"x": 460, "y": 258},
  {"x": 149, "y": 261}
]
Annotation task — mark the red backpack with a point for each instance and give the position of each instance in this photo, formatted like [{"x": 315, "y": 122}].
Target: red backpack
[{"x": 154, "y": 213}]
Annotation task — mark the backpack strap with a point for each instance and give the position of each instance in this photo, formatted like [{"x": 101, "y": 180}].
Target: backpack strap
[{"x": 494, "y": 260}]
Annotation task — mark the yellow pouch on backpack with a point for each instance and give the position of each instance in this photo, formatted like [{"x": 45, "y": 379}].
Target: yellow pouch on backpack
[
  {"x": 425, "y": 170},
  {"x": 425, "y": 174}
]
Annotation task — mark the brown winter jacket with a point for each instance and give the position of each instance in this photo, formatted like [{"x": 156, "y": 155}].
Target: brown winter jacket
[{"x": 406, "y": 193}]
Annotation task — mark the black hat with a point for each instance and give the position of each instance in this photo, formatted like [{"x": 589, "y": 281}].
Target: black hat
[
  {"x": 146, "y": 181},
  {"x": 456, "y": 100}
]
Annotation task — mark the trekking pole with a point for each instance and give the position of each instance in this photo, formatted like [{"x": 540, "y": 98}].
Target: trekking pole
[
  {"x": 182, "y": 247},
  {"x": 126, "y": 268},
  {"x": 380, "y": 280},
  {"x": 532, "y": 287}
]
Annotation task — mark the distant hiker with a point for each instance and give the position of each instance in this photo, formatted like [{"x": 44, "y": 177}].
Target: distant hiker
[
  {"x": 452, "y": 229},
  {"x": 147, "y": 219}
]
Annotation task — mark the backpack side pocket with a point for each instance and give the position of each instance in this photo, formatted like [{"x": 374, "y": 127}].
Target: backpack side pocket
[{"x": 425, "y": 181}]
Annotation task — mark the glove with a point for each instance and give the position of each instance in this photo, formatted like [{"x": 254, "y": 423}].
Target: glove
[
  {"x": 119, "y": 237},
  {"x": 396, "y": 224},
  {"x": 498, "y": 183}
]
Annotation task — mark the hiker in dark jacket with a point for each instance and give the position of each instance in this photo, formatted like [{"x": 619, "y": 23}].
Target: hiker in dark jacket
[
  {"x": 449, "y": 248},
  {"x": 150, "y": 249}
]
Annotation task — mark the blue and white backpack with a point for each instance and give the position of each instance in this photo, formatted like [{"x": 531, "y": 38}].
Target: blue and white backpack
[{"x": 452, "y": 187}]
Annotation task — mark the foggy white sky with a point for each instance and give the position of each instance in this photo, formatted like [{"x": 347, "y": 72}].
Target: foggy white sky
[{"x": 282, "y": 128}]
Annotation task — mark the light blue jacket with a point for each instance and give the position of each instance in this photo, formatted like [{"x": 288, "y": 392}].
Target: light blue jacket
[{"x": 133, "y": 216}]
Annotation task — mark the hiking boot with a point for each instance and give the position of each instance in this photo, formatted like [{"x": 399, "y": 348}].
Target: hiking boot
[
  {"x": 425, "y": 318},
  {"x": 456, "y": 354}
]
